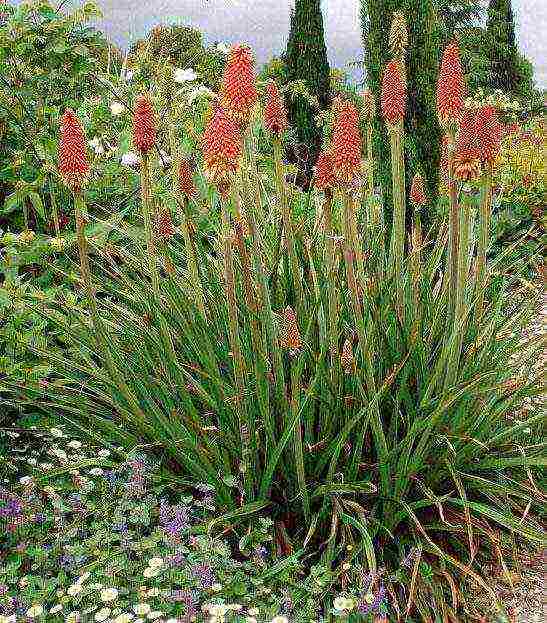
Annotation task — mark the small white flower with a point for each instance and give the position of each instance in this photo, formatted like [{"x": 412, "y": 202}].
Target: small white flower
[
  {"x": 31, "y": 461},
  {"x": 141, "y": 608},
  {"x": 74, "y": 444},
  {"x": 85, "y": 576},
  {"x": 216, "y": 587},
  {"x": 56, "y": 608},
  {"x": 151, "y": 572},
  {"x": 35, "y": 611},
  {"x": 104, "y": 453},
  {"x": 185, "y": 75},
  {"x": 46, "y": 466},
  {"x": 56, "y": 432},
  {"x": 155, "y": 614},
  {"x": 73, "y": 617},
  {"x": 102, "y": 614},
  {"x": 26, "y": 481},
  {"x": 254, "y": 612},
  {"x": 10, "y": 619},
  {"x": 280, "y": 619},
  {"x": 74, "y": 590},
  {"x": 96, "y": 471},
  {"x": 116, "y": 108},
  {"x": 109, "y": 594},
  {"x": 130, "y": 158},
  {"x": 155, "y": 562},
  {"x": 124, "y": 617}
]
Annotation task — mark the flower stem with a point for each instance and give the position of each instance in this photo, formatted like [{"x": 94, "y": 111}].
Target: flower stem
[
  {"x": 485, "y": 213},
  {"x": 399, "y": 209},
  {"x": 146, "y": 195}
]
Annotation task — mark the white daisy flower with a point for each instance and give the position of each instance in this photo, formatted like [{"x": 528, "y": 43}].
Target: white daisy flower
[
  {"x": 116, "y": 108},
  {"x": 109, "y": 594},
  {"x": 56, "y": 608},
  {"x": 35, "y": 611},
  {"x": 185, "y": 75},
  {"x": 74, "y": 590},
  {"x": 74, "y": 444},
  {"x": 141, "y": 608},
  {"x": 200, "y": 91},
  {"x": 102, "y": 614},
  {"x": 280, "y": 619},
  {"x": 151, "y": 572},
  {"x": 130, "y": 158},
  {"x": 56, "y": 432},
  {"x": 104, "y": 453},
  {"x": 96, "y": 471},
  {"x": 155, "y": 562}
]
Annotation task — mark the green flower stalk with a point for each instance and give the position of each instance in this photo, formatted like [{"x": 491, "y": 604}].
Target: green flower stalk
[
  {"x": 483, "y": 241},
  {"x": 288, "y": 225}
]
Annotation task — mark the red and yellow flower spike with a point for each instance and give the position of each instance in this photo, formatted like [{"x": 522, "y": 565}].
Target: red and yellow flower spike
[
  {"x": 73, "y": 164},
  {"x": 144, "y": 125},
  {"x": 238, "y": 92},
  {"x": 324, "y": 178},
  {"x": 467, "y": 156},
  {"x": 417, "y": 191},
  {"x": 290, "y": 337},
  {"x": 346, "y": 143},
  {"x": 185, "y": 179},
  {"x": 393, "y": 94},
  {"x": 222, "y": 147},
  {"x": 450, "y": 88},
  {"x": 489, "y": 134},
  {"x": 275, "y": 113}
]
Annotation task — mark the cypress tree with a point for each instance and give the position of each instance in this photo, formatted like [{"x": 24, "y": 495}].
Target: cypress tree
[
  {"x": 502, "y": 48},
  {"x": 421, "y": 126},
  {"x": 306, "y": 59}
]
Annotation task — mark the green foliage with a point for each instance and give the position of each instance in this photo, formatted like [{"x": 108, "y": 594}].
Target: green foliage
[
  {"x": 47, "y": 62},
  {"x": 365, "y": 454},
  {"x": 306, "y": 61}
]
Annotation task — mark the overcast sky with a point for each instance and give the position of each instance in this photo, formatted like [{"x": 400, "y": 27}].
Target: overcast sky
[{"x": 264, "y": 25}]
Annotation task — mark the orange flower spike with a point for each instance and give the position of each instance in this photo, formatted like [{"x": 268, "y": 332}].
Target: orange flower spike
[
  {"x": 290, "y": 339},
  {"x": 164, "y": 227},
  {"x": 489, "y": 133},
  {"x": 417, "y": 191},
  {"x": 450, "y": 88},
  {"x": 73, "y": 165},
  {"x": 347, "y": 360},
  {"x": 238, "y": 90},
  {"x": 144, "y": 125},
  {"x": 393, "y": 94},
  {"x": 467, "y": 154},
  {"x": 346, "y": 143},
  {"x": 324, "y": 178},
  {"x": 275, "y": 113},
  {"x": 221, "y": 146},
  {"x": 185, "y": 179}
]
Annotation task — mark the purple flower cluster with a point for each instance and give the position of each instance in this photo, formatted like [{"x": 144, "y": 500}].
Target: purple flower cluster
[
  {"x": 364, "y": 607},
  {"x": 138, "y": 474},
  {"x": 174, "y": 520},
  {"x": 189, "y": 599},
  {"x": 204, "y": 574},
  {"x": 11, "y": 510}
]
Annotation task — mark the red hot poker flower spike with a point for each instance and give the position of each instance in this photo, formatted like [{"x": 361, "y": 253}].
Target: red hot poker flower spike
[
  {"x": 275, "y": 114},
  {"x": 450, "y": 88},
  {"x": 144, "y": 125},
  {"x": 489, "y": 133},
  {"x": 164, "y": 227},
  {"x": 73, "y": 164},
  {"x": 221, "y": 146},
  {"x": 290, "y": 338},
  {"x": 466, "y": 156},
  {"x": 186, "y": 183},
  {"x": 417, "y": 191},
  {"x": 346, "y": 143},
  {"x": 324, "y": 178},
  {"x": 393, "y": 94},
  {"x": 238, "y": 91}
]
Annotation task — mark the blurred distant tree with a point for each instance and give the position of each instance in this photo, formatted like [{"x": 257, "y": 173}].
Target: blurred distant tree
[
  {"x": 306, "y": 61},
  {"x": 183, "y": 46}
]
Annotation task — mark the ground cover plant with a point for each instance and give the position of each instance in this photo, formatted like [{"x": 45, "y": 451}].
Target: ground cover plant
[{"x": 351, "y": 380}]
